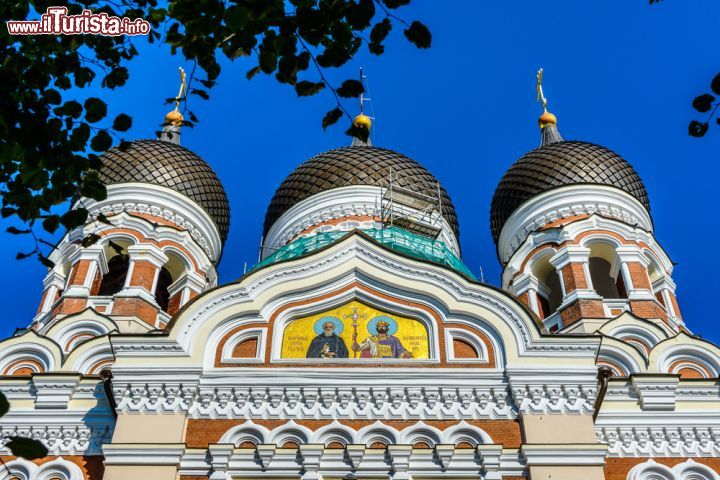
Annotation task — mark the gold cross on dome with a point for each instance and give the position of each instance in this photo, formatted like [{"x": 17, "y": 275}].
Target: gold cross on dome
[
  {"x": 181, "y": 93},
  {"x": 538, "y": 87}
]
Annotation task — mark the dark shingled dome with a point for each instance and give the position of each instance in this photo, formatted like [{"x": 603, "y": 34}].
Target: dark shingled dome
[
  {"x": 359, "y": 165},
  {"x": 556, "y": 165},
  {"x": 173, "y": 166}
]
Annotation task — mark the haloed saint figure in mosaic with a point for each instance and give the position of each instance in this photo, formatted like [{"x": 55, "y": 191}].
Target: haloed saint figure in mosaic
[
  {"x": 381, "y": 345},
  {"x": 327, "y": 344}
]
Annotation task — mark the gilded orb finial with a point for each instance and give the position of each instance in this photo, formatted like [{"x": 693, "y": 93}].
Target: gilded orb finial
[{"x": 362, "y": 120}]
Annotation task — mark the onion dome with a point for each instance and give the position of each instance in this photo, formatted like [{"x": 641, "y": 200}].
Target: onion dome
[
  {"x": 356, "y": 165},
  {"x": 558, "y": 163},
  {"x": 167, "y": 164}
]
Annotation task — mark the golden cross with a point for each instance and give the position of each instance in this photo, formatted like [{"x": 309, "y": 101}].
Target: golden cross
[
  {"x": 355, "y": 316},
  {"x": 181, "y": 93},
  {"x": 538, "y": 87}
]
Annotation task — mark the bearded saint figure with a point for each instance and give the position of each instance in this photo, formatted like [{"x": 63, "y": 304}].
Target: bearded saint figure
[
  {"x": 382, "y": 345},
  {"x": 328, "y": 344}
]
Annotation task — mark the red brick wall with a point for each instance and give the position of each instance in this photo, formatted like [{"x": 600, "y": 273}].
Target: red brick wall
[
  {"x": 462, "y": 349},
  {"x": 143, "y": 274},
  {"x": 573, "y": 275},
  {"x": 135, "y": 307}
]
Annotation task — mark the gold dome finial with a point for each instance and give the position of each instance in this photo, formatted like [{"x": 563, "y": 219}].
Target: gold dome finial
[
  {"x": 362, "y": 121},
  {"x": 546, "y": 118}
]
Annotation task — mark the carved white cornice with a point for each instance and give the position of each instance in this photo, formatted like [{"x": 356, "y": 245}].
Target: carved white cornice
[
  {"x": 569, "y": 201},
  {"x": 337, "y": 203},
  {"x": 162, "y": 202}
]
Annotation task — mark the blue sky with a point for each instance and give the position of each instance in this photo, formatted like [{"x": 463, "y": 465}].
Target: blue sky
[{"x": 618, "y": 73}]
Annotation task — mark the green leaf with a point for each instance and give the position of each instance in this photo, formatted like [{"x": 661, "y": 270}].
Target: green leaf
[
  {"x": 71, "y": 108},
  {"x": 697, "y": 129},
  {"x": 360, "y": 14},
  {"x": 103, "y": 219},
  {"x": 122, "y": 123},
  {"x": 90, "y": 239},
  {"x": 92, "y": 187},
  {"x": 95, "y": 109},
  {"x": 116, "y": 78},
  {"x": 252, "y": 72},
  {"x": 74, "y": 218},
  {"x": 350, "y": 89},
  {"x": 715, "y": 84},
  {"x": 52, "y": 96},
  {"x": 7, "y": 211},
  {"x": 51, "y": 223},
  {"x": 306, "y": 89},
  {"x": 79, "y": 137},
  {"x": 268, "y": 61},
  {"x": 395, "y": 3},
  {"x": 117, "y": 248},
  {"x": 378, "y": 34},
  {"x": 358, "y": 131},
  {"x": 331, "y": 117},
  {"x": 45, "y": 261},
  {"x": 703, "y": 103},
  {"x": 26, "y": 448},
  {"x": 200, "y": 93},
  {"x": 236, "y": 17},
  {"x": 418, "y": 34},
  {"x": 101, "y": 141},
  {"x": 4, "y": 404}
]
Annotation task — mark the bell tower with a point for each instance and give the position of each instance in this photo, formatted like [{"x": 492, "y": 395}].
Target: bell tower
[
  {"x": 572, "y": 225},
  {"x": 161, "y": 231}
]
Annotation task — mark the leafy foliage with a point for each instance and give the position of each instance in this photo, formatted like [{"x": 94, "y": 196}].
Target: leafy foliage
[
  {"x": 706, "y": 103},
  {"x": 51, "y": 134}
]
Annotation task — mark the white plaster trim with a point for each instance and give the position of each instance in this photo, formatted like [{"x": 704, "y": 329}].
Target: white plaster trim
[
  {"x": 563, "y": 455},
  {"x": 356, "y": 200},
  {"x": 568, "y": 201},
  {"x": 55, "y": 469},
  {"x": 161, "y": 202},
  {"x": 688, "y": 470},
  {"x": 143, "y": 453}
]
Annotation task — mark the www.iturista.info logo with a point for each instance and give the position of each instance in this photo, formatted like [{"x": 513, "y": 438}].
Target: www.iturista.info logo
[{"x": 56, "y": 21}]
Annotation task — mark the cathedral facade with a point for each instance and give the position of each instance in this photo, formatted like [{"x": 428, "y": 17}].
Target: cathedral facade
[{"x": 360, "y": 346}]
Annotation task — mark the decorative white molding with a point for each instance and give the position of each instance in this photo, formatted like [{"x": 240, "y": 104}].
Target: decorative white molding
[
  {"x": 144, "y": 198},
  {"x": 688, "y": 470},
  {"x": 21, "y": 469},
  {"x": 336, "y": 432},
  {"x": 656, "y": 392},
  {"x": 569, "y": 201},
  {"x": 311, "y": 461},
  {"x": 561, "y": 455},
  {"x": 356, "y": 200},
  {"x": 668, "y": 440},
  {"x": 143, "y": 454}
]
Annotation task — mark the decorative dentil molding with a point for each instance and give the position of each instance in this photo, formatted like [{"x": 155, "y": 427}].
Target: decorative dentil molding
[
  {"x": 62, "y": 438},
  {"x": 660, "y": 440}
]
